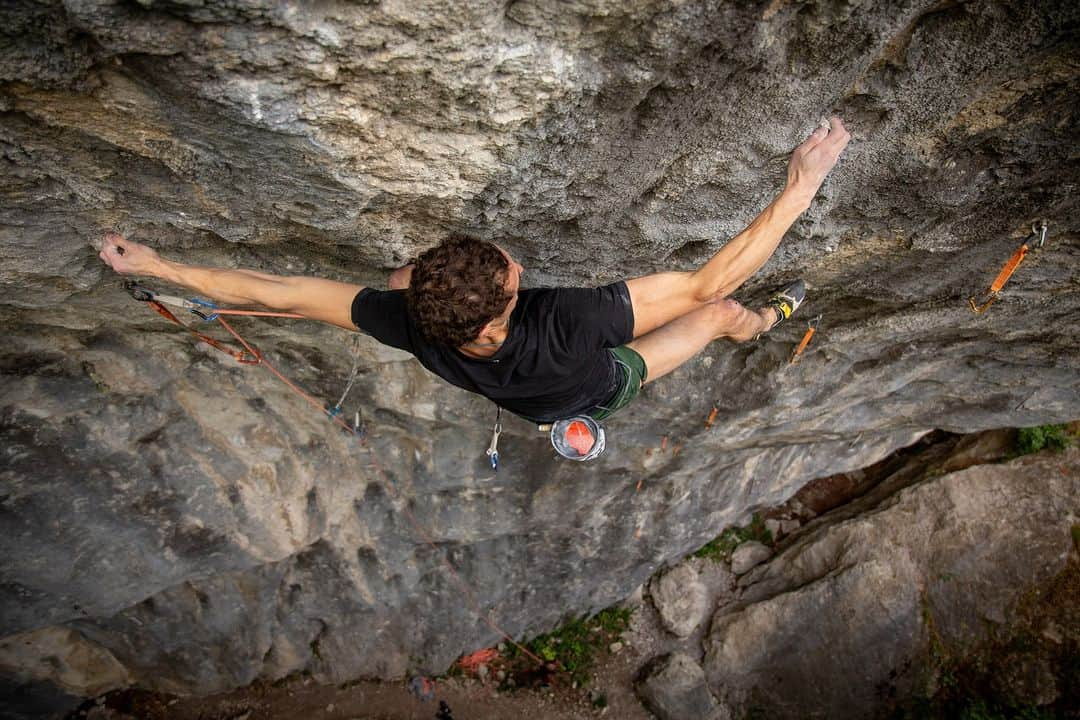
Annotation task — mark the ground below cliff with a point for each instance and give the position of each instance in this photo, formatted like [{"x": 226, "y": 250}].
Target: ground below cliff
[{"x": 1027, "y": 666}]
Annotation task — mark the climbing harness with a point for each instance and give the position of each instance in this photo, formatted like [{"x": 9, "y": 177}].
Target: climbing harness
[
  {"x": 493, "y": 447},
  {"x": 811, "y": 328},
  {"x": 1038, "y": 231},
  {"x": 157, "y": 301},
  {"x": 578, "y": 438}
]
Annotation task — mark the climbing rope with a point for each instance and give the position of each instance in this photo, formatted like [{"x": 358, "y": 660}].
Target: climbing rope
[
  {"x": 1038, "y": 231},
  {"x": 252, "y": 356}
]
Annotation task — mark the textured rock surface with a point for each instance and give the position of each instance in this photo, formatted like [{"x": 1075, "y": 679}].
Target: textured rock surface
[
  {"x": 748, "y": 556},
  {"x": 879, "y": 600},
  {"x": 675, "y": 689},
  {"x": 201, "y": 526},
  {"x": 681, "y": 598}
]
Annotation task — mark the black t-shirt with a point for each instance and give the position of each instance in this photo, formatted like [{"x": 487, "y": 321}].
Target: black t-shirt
[{"x": 554, "y": 362}]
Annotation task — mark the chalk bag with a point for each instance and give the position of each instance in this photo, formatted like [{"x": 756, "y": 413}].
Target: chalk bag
[{"x": 578, "y": 438}]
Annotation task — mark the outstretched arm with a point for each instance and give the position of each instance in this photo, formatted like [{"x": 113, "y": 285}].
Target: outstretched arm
[
  {"x": 325, "y": 300},
  {"x": 658, "y": 299}
]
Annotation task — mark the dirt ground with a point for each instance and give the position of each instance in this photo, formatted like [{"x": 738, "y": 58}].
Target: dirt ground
[
  {"x": 609, "y": 694},
  {"x": 467, "y": 698}
]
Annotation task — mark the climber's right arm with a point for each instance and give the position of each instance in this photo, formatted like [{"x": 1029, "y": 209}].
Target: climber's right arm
[{"x": 315, "y": 298}]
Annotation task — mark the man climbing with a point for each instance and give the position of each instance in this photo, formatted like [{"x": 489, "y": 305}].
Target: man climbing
[{"x": 546, "y": 353}]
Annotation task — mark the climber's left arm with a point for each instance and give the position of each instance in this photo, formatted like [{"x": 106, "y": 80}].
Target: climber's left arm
[
  {"x": 657, "y": 299},
  {"x": 315, "y": 298}
]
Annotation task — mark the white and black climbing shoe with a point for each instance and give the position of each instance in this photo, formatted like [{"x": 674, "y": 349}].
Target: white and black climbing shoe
[{"x": 787, "y": 301}]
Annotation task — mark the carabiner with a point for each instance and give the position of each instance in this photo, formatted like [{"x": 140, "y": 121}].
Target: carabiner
[
  {"x": 981, "y": 307},
  {"x": 193, "y": 303},
  {"x": 1039, "y": 229},
  {"x": 493, "y": 448},
  {"x": 139, "y": 292}
]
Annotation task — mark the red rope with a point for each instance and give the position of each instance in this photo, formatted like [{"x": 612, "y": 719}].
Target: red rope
[
  {"x": 237, "y": 355},
  {"x": 417, "y": 526}
]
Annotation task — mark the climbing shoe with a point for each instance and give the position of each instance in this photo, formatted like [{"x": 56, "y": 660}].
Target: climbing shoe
[{"x": 787, "y": 301}]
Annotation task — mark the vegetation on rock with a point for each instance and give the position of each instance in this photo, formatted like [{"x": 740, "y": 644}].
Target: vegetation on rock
[
  {"x": 720, "y": 548},
  {"x": 1033, "y": 439}
]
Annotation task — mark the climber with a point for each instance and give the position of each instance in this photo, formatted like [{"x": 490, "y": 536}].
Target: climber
[{"x": 545, "y": 353}]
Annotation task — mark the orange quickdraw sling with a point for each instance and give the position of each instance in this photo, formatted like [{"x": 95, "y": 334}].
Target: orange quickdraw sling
[
  {"x": 811, "y": 328},
  {"x": 1037, "y": 231}
]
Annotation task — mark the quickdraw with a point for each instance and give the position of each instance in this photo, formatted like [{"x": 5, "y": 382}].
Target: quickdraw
[
  {"x": 354, "y": 350},
  {"x": 493, "y": 446},
  {"x": 158, "y": 301},
  {"x": 811, "y": 328},
  {"x": 980, "y": 305}
]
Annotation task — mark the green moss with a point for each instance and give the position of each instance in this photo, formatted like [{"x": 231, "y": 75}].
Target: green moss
[
  {"x": 574, "y": 647},
  {"x": 941, "y": 660},
  {"x": 1033, "y": 439},
  {"x": 720, "y": 548}
]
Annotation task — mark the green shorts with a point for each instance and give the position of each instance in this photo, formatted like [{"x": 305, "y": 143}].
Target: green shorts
[{"x": 634, "y": 373}]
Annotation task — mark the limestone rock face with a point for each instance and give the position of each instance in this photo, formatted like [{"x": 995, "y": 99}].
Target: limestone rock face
[
  {"x": 202, "y": 526},
  {"x": 680, "y": 598},
  {"x": 880, "y": 601}
]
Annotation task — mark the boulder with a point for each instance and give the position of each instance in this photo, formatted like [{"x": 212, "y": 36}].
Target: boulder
[
  {"x": 749, "y": 555},
  {"x": 673, "y": 688},
  {"x": 681, "y": 599},
  {"x": 869, "y": 609}
]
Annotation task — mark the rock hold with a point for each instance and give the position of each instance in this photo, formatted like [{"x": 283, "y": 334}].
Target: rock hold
[
  {"x": 680, "y": 598},
  {"x": 674, "y": 689},
  {"x": 749, "y": 555}
]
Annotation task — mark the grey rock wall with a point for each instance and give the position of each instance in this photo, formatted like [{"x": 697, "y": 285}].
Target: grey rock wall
[
  {"x": 202, "y": 527},
  {"x": 877, "y": 609}
]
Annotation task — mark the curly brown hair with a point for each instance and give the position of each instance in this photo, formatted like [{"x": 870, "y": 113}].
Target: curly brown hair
[{"x": 456, "y": 288}]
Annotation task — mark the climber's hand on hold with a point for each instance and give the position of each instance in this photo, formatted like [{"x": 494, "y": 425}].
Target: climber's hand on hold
[
  {"x": 127, "y": 256},
  {"x": 813, "y": 160}
]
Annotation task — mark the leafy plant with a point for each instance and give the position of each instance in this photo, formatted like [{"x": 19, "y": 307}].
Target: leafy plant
[
  {"x": 1033, "y": 439},
  {"x": 574, "y": 647}
]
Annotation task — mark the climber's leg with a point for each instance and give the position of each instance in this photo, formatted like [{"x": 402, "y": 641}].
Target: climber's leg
[{"x": 670, "y": 345}]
